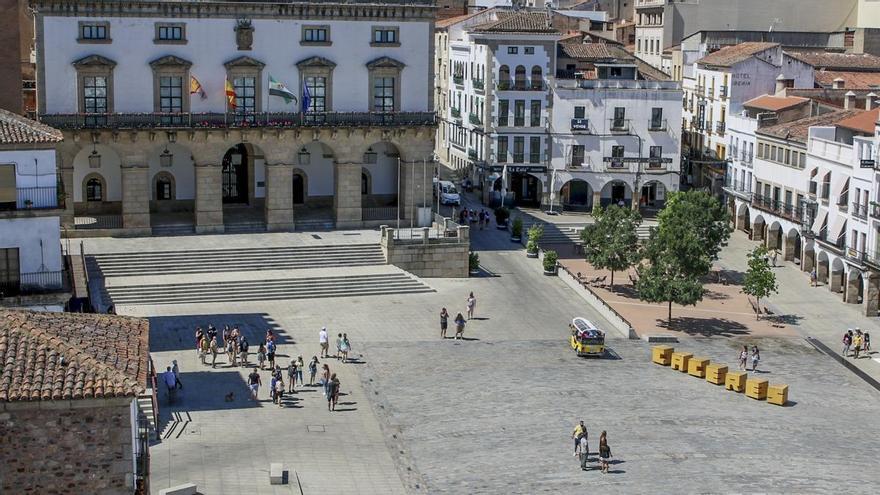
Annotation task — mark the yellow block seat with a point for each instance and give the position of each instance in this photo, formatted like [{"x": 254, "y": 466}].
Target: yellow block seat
[
  {"x": 697, "y": 366},
  {"x": 777, "y": 394},
  {"x": 662, "y": 354},
  {"x": 680, "y": 361},
  {"x": 716, "y": 373},
  {"x": 756, "y": 388},
  {"x": 736, "y": 381}
]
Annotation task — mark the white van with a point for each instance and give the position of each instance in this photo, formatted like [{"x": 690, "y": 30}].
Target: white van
[{"x": 448, "y": 193}]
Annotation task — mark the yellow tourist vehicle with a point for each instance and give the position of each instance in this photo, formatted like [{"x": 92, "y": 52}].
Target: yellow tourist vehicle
[{"x": 586, "y": 339}]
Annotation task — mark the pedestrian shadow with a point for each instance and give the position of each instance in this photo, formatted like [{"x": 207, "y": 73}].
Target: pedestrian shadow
[
  {"x": 469, "y": 339},
  {"x": 480, "y": 318},
  {"x": 175, "y": 333}
]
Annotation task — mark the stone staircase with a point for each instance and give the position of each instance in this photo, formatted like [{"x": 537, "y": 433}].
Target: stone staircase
[
  {"x": 555, "y": 234},
  {"x": 167, "y": 230},
  {"x": 233, "y": 260},
  {"x": 145, "y": 404},
  {"x": 208, "y": 291},
  {"x": 314, "y": 224}
]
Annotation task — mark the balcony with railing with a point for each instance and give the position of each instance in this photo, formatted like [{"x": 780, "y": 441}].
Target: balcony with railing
[
  {"x": 44, "y": 282},
  {"x": 859, "y": 210},
  {"x": 472, "y": 154},
  {"x": 739, "y": 188},
  {"x": 746, "y": 158},
  {"x": 835, "y": 244},
  {"x": 191, "y": 120},
  {"x": 619, "y": 125},
  {"x": 657, "y": 125},
  {"x": 856, "y": 256},
  {"x": 722, "y": 91},
  {"x": 719, "y": 127},
  {"x": 34, "y": 198},
  {"x": 478, "y": 84},
  {"x": 455, "y": 112},
  {"x": 875, "y": 210},
  {"x": 458, "y": 79},
  {"x": 475, "y": 119},
  {"x": 778, "y": 208}
]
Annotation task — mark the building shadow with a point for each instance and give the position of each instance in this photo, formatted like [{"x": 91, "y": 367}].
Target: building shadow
[
  {"x": 205, "y": 391},
  {"x": 175, "y": 333},
  {"x": 705, "y": 327}
]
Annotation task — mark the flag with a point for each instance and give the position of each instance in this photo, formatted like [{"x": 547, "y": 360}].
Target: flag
[
  {"x": 306, "y": 98},
  {"x": 230, "y": 95},
  {"x": 279, "y": 89},
  {"x": 196, "y": 87},
  {"x": 504, "y": 177},
  {"x": 552, "y": 187}
]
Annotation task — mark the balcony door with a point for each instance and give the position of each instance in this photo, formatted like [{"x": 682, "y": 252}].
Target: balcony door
[
  {"x": 10, "y": 278},
  {"x": 235, "y": 175}
]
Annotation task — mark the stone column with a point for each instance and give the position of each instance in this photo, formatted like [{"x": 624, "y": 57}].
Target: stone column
[
  {"x": 136, "y": 193},
  {"x": 209, "y": 199},
  {"x": 851, "y": 293},
  {"x": 67, "y": 217},
  {"x": 757, "y": 231},
  {"x": 416, "y": 178},
  {"x": 597, "y": 201},
  {"x": 834, "y": 283},
  {"x": 872, "y": 294},
  {"x": 822, "y": 272},
  {"x": 808, "y": 260},
  {"x": 279, "y": 197},
  {"x": 788, "y": 248},
  {"x": 347, "y": 201}
]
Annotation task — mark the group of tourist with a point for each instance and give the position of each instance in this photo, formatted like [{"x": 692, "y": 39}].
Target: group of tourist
[
  {"x": 343, "y": 345},
  {"x": 856, "y": 341},
  {"x": 582, "y": 447},
  {"x": 745, "y": 356},
  {"x": 459, "y": 318},
  {"x": 470, "y": 216}
]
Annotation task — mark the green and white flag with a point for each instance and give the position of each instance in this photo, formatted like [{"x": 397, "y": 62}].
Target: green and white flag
[{"x": 279, "y": 89}]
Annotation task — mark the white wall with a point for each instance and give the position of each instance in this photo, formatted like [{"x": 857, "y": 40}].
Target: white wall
[
  {"x": 33, "y": 168},
  {"x": 211, "y": 43},
  {"x": 26, "y": 234},
  {"x": 110, "y": 170},
  {"x": 181, "y": 168}
]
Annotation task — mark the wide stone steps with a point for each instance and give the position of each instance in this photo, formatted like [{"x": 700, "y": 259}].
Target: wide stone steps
[
  {"x": 262, "y": 290},
  {"x": 228, "y": 260},
  {"x": 172, "y": 229},
  {"x": 571, "y": 233}
]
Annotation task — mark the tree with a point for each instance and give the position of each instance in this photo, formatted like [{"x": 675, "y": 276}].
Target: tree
[
  {"x": 690, "y": 231},
  {"x": 611, "y": 242},
  {"x": 760, "y": 281}
]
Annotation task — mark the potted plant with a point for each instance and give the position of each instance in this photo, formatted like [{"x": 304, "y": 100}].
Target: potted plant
[
  {"x": 473, "y": 263},
  {"x": 516, "y": 230},
  {"x": 501, "y": 216},
  {"x": 550, "y": 259},
  {"x": 28, "y": 203},
  {"x": 535, "y": 234}
]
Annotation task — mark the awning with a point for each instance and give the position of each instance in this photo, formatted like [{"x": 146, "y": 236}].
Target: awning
[
  {"x": 835, "y": 227},
  {"x": 838, "y": 188},
  {"x": 821, "y": 215}
]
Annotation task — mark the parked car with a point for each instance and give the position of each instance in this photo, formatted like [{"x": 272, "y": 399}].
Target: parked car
[{"x": 448, "y": 193}]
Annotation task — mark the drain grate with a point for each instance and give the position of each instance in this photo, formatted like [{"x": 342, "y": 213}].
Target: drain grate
[{"x": 316, "y": 428}]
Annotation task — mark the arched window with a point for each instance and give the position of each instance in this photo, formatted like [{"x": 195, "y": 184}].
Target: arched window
[
  {"x": 519, "y": 78},
  {"x": 537, "y": 77},
  {"x": 504, "y": 77},
  {"x": 94, "y": 189},
  {"x": 365, "y": 183}
]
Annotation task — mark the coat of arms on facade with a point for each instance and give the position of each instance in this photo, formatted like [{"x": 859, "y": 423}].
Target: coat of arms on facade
[{"x": 244, "y": 34}]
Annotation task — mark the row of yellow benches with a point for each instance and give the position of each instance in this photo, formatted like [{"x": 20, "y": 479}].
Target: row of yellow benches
[{"x": 738, "y": 381}]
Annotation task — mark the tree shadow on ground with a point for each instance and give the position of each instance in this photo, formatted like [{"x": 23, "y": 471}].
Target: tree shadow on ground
[
  {"x": 715, "y": 296},
  {"x": 174, "y": 333},
  {"x": 779, "y": 320},
  {"x": 706, "y": 327}
]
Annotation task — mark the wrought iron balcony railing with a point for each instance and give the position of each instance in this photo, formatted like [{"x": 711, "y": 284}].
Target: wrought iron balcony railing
[{"x": 34, "y": 198}]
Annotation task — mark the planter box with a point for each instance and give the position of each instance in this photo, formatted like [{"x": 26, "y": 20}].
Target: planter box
[
  {"x": 531, "y": 255},
  {"x": 550, "y": 273},
  {"x": 516, "y": 239}
]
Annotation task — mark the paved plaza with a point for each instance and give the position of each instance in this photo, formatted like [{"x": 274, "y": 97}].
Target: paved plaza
[{"x": 493, "y": 413}]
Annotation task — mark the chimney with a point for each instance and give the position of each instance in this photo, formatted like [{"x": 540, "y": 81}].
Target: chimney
[
  {"x": 838, "y": 83},
  {"x": 848, "y": 100},
  {"x": 869, "y": 101},
  {"x": 780, "y": 84}
]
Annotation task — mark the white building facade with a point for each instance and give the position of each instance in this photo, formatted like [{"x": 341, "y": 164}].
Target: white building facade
[
  {"x": 31, "y": 204},
  {"x": 205, "y": 133}
]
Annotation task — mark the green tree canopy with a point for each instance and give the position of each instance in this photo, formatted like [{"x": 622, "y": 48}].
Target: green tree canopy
[
  {"x": 760, "y": 281},
  {"x": 611, "y": 242}
]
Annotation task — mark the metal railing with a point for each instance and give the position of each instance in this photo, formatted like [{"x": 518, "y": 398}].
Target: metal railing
[
  {"x": 97, "y": 222},
  {"x": 379, "y": 213},
  {"x": 738, "y": 186},
  {"x": 455, "y": 112},
  {"x": 475, "y": 119},
  {"x": 746, "y": 157},
  {"x": 478, "y": 83},
  {"x": 838, "y": 244},
  {"x": 859, "y": 210},
  {"x": 472, "y": 154},
  {"x": 33, "y": 283},
  {"x": 719, "y": 127},
  {"x": 784, "y": 210},
  {"x": 856, "y": 256},
  {"x": 657, "y": 125},
  {"x": 875, "y": 211},
  {"x": 34, "y": 198},
  {"x": 458, "y": 79},
  {"x": 224, "y": 120},
  {"x": 619, "y": 125}
]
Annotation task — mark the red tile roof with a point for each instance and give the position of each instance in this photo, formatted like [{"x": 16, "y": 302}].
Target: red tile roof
[
  {"x": 445, "y": 23},
  {"x": 799, "y": 130},
  {"x": 15, "y": 129},
  {"x": 517, "y": 22},
  {"x": 851, "y": 80},
  {"x": 730, "y": 55},
  {"x": 774, "y": 103},
  {"x": 591, "y": 51},
  {"x": 836, "y": 60},
  {"x": 62, "y": 356},
  {"x": 861, "y": 122}
]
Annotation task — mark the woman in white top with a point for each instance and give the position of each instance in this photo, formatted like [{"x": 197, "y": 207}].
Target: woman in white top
[{"x": 471, "y": 305}]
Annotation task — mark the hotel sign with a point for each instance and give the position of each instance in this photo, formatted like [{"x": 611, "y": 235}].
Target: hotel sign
[{"x": 867, "y": 163}]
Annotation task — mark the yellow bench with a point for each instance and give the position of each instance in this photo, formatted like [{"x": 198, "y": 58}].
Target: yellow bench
[
  {"x": 756, "y": 388},
  {"x": 716, "y": 373},
  {"x": 680, "y": 361},
  {"x": 736, "y": 381},
  {"x": 662, "y": 354},
  {"x": 777, "y": 394},
  {"x": 697, "y": 366}
]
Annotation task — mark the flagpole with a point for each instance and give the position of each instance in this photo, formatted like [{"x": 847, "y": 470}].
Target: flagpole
[
  {"x": 268, "y": 97},
  {"x": 225, "y": 101}
]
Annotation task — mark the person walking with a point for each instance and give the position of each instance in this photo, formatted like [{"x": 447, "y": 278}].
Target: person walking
[
  {"x": 291, "y": 376},
  {"x": 279, "y": 392},
  {"x": 313, "y": 370},
  {"x": 229, "y": 352},
  {"x": 299, "y": 371},
  {"x": 205, "y": 349},
  {"x": 471, "y": 305},
  {"x": 444, "y": 319},
  {"x": 344, "y": 347},
  {"x": 176, "y": 370},
  {"x": 814, "y": 279},
  {"x": 459, "y": 326},
  {"x": 272, "y": 381},
  {"x": 270, "y": 353},
  {"x": 847, "y": 341},
  {"x": 243, "y": 347},
  {"x": 579, "y": 430},
  {"x": 773, "y": 255},
  {"x": 325, "y": 378},
  {"x": 857, "y": 344},
  {"x": 332, "y": 392},
  {"x": 583, "y": 451},
  {"x": 254, "y": 383},
  {"x": 200, "y": 335},
  {"x": 338, "y": 345},
  {"x": 261, "y": 355},
  {"x": 211, "y": 332},
  {"x": 214, "y": 352},
  {"x": 756, "y": 357},
  {"x": 743, "y": 357},
  {"x": 604, "y": 452},
  {"x": 170, "y": 381},
  {"x": 324, "y": 341},
  {"x": 866, "y": 337}
]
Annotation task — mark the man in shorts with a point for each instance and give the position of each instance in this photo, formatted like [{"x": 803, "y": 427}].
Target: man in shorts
[
  {"x": 323, "y": 339},
  {"x": 254, "y": 384}
]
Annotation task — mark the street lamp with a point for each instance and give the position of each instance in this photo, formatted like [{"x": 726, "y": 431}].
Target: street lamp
[{"x": 94, "y": 156}]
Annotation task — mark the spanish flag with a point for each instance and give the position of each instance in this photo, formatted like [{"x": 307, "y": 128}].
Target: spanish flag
[
  {"x": 230, "y": 95},
  {"x": 195, "y": 87}
]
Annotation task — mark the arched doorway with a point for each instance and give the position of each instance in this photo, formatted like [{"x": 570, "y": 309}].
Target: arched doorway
[
  {"x": 653, "y": 196},
  {"x": 742, "y": 218},
  {"x": 576, "y": 195},
  {"x": 808, "y": 259},
  {"x": 299, "y": 188},
  {"x": 97, "y": 175},
  {"x": 314, "y": 187},
  {"x": 838, "y": 276},
  {"x": 758, "y": 228},
  {"x": 616, "y": 192},
  {"x": 823, "y": 267},
  {"x": 526, "y": 189},
  {"x": 791, "y": 249},
  {"x": 855, "y": 287},
  {"x": 774, "y": 236},
  {"x": 235, "y": 175},
  {"x": 379, "y": 184}
]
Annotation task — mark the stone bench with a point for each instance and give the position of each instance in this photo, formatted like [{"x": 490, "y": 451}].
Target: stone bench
[
  {"x": 716, "y": 373},
  {"x": 276, "y": 473},
  {"x": 736, "y": 381},
  {"x": 756, "y": 388},
  {"x": 680, "y": 361},
  {"x": 697, "y": 366},
  {"x": 184, "y": 489},
  {"x": 777, "y": 394},
  {"x": 662, "y": 354}
]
